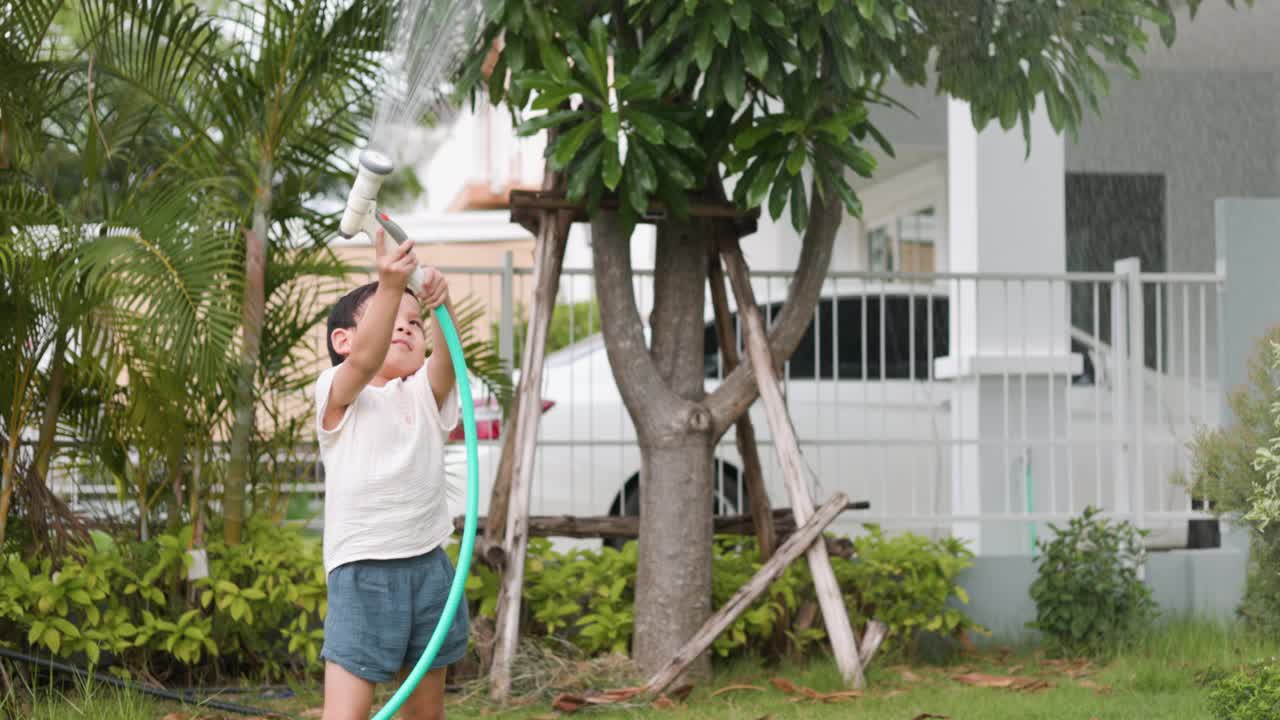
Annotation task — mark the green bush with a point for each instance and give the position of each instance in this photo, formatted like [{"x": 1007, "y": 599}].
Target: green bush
[
  {"x": 1253, "y": 693},
  {"x": 1226, "y": 473},
  {"x": 127, "y": 605},
  {"x": 1089, "y": 599},
  {"x": 586, "y": 597}
]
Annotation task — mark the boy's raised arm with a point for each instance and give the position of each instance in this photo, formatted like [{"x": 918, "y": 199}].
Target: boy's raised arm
[
  {"x": 373, "y": 335},
  {"x": 435, "y": 292}
]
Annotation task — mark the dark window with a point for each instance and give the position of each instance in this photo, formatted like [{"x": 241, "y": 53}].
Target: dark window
[{"x": 900, "y": 358}]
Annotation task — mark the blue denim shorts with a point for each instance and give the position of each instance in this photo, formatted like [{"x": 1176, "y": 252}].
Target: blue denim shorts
[{"x": 382, "y": 614}]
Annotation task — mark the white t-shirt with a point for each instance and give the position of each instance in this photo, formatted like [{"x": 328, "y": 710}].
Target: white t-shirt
[{"x": 384, "y": 471}]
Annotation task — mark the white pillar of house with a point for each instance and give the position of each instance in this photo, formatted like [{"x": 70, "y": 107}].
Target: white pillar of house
[{"x": 1009, "y": 352}]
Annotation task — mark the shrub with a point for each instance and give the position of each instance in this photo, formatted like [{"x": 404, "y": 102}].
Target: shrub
[
  {"x": 1252, "y": 693},
  {"x": 126, "y": 605},
  {"x": 1225, "y": 472},
  {"x": 586, "y": 597},
  {"x": 1088, "y": 597}
]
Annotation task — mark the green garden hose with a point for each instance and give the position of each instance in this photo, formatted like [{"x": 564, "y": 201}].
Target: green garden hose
[{"x": 468, "y": 530}]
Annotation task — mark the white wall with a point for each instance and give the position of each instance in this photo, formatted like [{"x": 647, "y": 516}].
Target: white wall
[{"x": 1212, "y": 134}]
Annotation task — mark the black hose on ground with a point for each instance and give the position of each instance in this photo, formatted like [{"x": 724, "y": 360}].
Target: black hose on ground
[{"x": 185, "y": 698}]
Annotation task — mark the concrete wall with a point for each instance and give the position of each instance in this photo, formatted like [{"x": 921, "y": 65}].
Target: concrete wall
[
  {"x": 1248, "y": 247},
  {"x": 1200, "y": 583},
  {"x": 1212, "y": 134}
]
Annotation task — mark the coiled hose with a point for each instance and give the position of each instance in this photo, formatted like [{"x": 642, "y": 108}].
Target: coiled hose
[{"x": 468, "y": 531}]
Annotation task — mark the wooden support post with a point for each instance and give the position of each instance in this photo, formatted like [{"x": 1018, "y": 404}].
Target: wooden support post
[
  {"x": 491, "y": 546},
  {"x": 627, "y": 527},
  {"x": 553, "y": 234},
  {"x": 836, "y": 618},
  {"x": 753, "y": 475},
  {"x": 747, "y": 594}
]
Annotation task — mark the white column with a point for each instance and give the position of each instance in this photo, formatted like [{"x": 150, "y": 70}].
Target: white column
[{"x": 1009, "y": 346}]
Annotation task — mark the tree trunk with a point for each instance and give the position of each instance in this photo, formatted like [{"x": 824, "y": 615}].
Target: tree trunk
[
  {"x": 671, "y": 415},
  {"x": 752, "y": 472},
  {"x": 553, "y": 235},
  {"x": 255, "y": 263},
  {"x": 662, "y": 389},
  {"x": 8, "y": 476},
  {"x": 790, "y": 551},
  {"x": 673, "y": 575},
  {"x": 53, "y": 404}
]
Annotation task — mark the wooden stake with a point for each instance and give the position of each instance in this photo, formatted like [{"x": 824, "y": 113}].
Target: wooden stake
[
  {"x": 747, "y": 594},
  {"x": 753, "y": 474},
  {"x": 491, "y": 549},
  {"x": 843, "y": 644},
  {"x": 552, "y": 237}
]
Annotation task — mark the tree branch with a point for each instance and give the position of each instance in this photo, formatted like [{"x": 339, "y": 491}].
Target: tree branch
[
  {"x": 739, "y": 390},
  {"x": 647, "y": 397},
  {"x": 676, "y": 322}
]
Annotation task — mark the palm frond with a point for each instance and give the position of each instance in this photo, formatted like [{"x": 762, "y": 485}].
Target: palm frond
[
  {"x": 483, "y": 361},
  {"x": 175, "y": 280}
]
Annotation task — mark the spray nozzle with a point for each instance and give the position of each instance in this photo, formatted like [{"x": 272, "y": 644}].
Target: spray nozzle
[{"x": 361, "y": 213}]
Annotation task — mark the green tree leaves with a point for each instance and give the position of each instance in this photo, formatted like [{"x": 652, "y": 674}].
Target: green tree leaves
[{"x": 798, "y": 73}]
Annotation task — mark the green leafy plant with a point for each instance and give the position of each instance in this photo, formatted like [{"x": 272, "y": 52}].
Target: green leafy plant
[
  {"x": 1252, "y": 693},
  {"x": 1089, "y": 599},
  {"x": 907, "y": 582},
  {"x": 586, "y": 597},
  {"x": 1226, "y": 472},
  {"x": 259, "y": 612}
]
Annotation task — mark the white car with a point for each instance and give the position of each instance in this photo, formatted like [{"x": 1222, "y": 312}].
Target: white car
[{"x": 873, "y": 422}]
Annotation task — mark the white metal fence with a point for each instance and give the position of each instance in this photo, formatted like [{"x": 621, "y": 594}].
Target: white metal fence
[
  {"x": 953, "y": 403},
  {"x": 948, "y": 401}
]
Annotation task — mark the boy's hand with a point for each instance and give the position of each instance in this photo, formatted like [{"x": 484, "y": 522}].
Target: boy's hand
[
  {"x": 395, "y": 266},
  {"x": 435, "y": 289}
]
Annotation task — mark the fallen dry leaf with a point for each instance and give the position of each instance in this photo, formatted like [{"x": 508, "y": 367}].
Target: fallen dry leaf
[
  {"x": 734, "y": 688},
  {"x": 1002, "y": 681},
  {"x": 926, "y": 716},
  {"x": 566, "y": 703},
  {"x": 784, "y": 685},
  {"x": 663, "y": 703},
  {"x": 981, "y": 680}
]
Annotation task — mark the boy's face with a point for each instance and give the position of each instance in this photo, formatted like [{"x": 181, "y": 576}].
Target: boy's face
[{"x": 407, "y": 351}]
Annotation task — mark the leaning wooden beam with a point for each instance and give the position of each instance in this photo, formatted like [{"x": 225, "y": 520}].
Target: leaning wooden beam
[
  {"x": 553, "y": 235},
  {"x": 872, "y": 637},
  {"x": 836, "y": 618},
  {"x": 753, "y": 474},
  {"x": 747, "y": 594}
]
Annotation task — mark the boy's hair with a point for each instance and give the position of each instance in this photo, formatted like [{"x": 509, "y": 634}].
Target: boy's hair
[{"x": 344, "y": 313}]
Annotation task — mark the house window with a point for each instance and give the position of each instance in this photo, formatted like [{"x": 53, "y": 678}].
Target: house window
[{"x": 906, "y": 243}]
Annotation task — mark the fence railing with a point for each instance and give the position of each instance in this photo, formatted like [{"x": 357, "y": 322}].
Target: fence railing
[{"x": 950, "y": 401}]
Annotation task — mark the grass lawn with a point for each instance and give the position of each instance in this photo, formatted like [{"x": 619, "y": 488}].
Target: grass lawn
[{"x": 1159, "y": 677}]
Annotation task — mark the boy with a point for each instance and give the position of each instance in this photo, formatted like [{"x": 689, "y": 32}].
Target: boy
[{"x": 382, "y": 412}]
